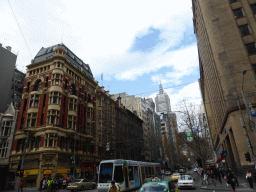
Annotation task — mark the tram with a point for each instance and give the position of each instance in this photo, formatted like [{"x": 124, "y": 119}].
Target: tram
[{"x": 129, "y": 174}]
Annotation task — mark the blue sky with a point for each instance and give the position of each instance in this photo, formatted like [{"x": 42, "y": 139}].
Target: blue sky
[{"x": 135, "y": 44}]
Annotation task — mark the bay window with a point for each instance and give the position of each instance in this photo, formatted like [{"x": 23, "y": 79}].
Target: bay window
[
  {"x": 55, "y": 98},
  {"x": 53, "y": 117},
  {"x": 31, "y": 120},
  {"x": 57, "y": 79},
  {"x": 51, "y": 140},
  {"x": 71, "y": 122}
]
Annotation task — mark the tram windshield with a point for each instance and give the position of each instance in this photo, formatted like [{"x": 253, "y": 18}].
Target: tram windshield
[{"x": 106, "y": 171}]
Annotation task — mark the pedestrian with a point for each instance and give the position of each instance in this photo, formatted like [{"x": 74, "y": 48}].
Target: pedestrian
[
  {"x": 205, "y": 179},
  {"x": 114, "y": 188},
  {"x": 231, "y": 180},
  {"x": 219, "y": 175},
  {"x": 249, "y": 178},
  {"x": 21, "y": 185},
  {"x": 41, "y": 185}
]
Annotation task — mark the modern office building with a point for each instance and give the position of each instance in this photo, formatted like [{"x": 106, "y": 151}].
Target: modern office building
[
  {"x": 7, "y": 66},
  {"x": 225, "y": 32},
  {"x": 58, "y": 112},
  {"x": 19, "y": 78}
]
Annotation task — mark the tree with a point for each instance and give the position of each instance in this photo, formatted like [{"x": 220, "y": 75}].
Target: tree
[{"x": 199, "y": 146}]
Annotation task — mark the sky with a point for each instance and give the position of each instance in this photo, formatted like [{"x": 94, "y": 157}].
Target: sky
[{"x": 135, "y": 44}]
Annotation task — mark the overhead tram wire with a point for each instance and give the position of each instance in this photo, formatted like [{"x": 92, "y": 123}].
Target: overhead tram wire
[{"x": 20, "y": 29}]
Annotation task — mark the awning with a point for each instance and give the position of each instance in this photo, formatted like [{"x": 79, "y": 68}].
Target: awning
[{"x": 219, "y": 159}]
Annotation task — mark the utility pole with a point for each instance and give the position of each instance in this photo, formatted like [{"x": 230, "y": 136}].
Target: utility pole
[
  {"x": 245, "y": 128},
  {"x": 23, "y": 157}
]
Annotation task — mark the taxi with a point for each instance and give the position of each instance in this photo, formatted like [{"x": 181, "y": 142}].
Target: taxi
[{"x": 175, "y": 177}]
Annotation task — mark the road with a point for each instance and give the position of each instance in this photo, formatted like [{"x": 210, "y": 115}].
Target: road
[{"x": 220, "y": 187}]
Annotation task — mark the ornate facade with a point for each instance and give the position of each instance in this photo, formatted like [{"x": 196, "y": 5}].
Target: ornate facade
[{"x": 58, "y": 108}]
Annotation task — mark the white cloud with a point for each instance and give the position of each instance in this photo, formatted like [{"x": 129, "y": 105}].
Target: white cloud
[{"x": 99, "y": 32}]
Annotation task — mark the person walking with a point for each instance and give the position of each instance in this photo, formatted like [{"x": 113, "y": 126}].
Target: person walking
[
  {"x": 231, "y": 180},
  {"x": 205, "y": 179},
  {"x": 249, "y": 178},
  {"x": 114, "y": 188},
  {"x": 41, "y": 185},
  {"x": 21, "y": 186}
]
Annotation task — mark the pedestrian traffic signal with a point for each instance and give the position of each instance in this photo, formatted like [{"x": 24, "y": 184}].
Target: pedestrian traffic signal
[
  {"x": 248, "y": 156},
  {"x": 21, "y": 173}
]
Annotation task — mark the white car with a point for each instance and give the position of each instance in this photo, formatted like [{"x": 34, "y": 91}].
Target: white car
[
  {"x": 196, "y": 169},
  {"x": 186, "y": 181}
]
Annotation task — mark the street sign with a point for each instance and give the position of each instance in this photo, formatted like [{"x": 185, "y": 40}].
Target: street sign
[
  {"x": 189, "y": 134},
  {"x": 224, "y": 154}
]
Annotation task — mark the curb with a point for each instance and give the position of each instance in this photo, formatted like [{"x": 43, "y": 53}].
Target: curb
[{"x": 214, "y": 189}]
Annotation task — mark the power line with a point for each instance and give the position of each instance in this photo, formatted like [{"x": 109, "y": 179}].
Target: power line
[{"x": 20, "y": 29}]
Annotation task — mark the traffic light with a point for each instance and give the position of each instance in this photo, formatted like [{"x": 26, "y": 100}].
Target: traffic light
[
  {"x": 248, "y": 156},
  {"x": 21, "y": 173},
  {"x": 199, "y": 162}
]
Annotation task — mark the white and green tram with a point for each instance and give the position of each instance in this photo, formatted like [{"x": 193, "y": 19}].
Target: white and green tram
[{"x": 129, "y": 174}]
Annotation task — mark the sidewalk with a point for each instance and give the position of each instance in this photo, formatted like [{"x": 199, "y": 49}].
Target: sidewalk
[{"x": 243, "y": 186}]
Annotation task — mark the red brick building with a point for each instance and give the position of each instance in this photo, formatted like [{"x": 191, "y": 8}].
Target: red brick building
[{"x": 58, "y": 108}]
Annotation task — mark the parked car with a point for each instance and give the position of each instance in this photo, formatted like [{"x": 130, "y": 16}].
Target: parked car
[
  {"x": 81, "y": 184},
  {"x": 159, "y": 186},
  {"x": 175, "y": 177},
  {"x": 196, "y": 170},
  {"x": 186, "y": 181}
]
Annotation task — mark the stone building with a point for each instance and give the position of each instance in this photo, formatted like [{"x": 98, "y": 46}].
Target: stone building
[
  {"x": 225, "y": 32},
  {"x": 58, "y": 109},
  {"x": 7, "y": 128},
  {"x": 144, "y": 109},
  {"x": 163, "y": 104}
]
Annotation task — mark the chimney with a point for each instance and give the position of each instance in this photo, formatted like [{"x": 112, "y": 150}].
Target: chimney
[{"x": 8, "y": 48}]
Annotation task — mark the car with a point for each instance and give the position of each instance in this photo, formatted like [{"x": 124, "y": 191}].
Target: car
[
  {"x": 81, "y": 184},
  {"x": 175, "y": 177},
  {"x": 181, "y": 171},
  {"x": 186, "y": 181},
  {"x": 195, "y": 170},
  {"x": 167, "y": 173},
  {"x": 159, "y": 186}
]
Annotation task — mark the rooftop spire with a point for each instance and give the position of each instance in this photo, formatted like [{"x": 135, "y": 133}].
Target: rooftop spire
[{"x": 161, "y": 91}]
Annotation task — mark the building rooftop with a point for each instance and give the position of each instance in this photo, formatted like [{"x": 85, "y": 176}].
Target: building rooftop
[{"x": 46, "y": 53}]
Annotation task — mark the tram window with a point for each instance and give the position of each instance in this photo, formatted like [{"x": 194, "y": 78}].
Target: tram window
[
  {"x": 152, "y": 171},
  {"x": 147, "y": 172},
  {"x": 131, "y": 176},
  {"x": 118, "y": 176},
  {"x": 106, "y": 170}
]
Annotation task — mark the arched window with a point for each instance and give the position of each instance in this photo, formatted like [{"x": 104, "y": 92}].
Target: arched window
[
  {"x": 73, "y": 89},
  {"x": 37, "y": 86}
]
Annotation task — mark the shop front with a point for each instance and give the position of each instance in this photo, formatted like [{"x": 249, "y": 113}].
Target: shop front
[
  {"x": 30, "y": 177},
  {"x": 88, "y": 171}
]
